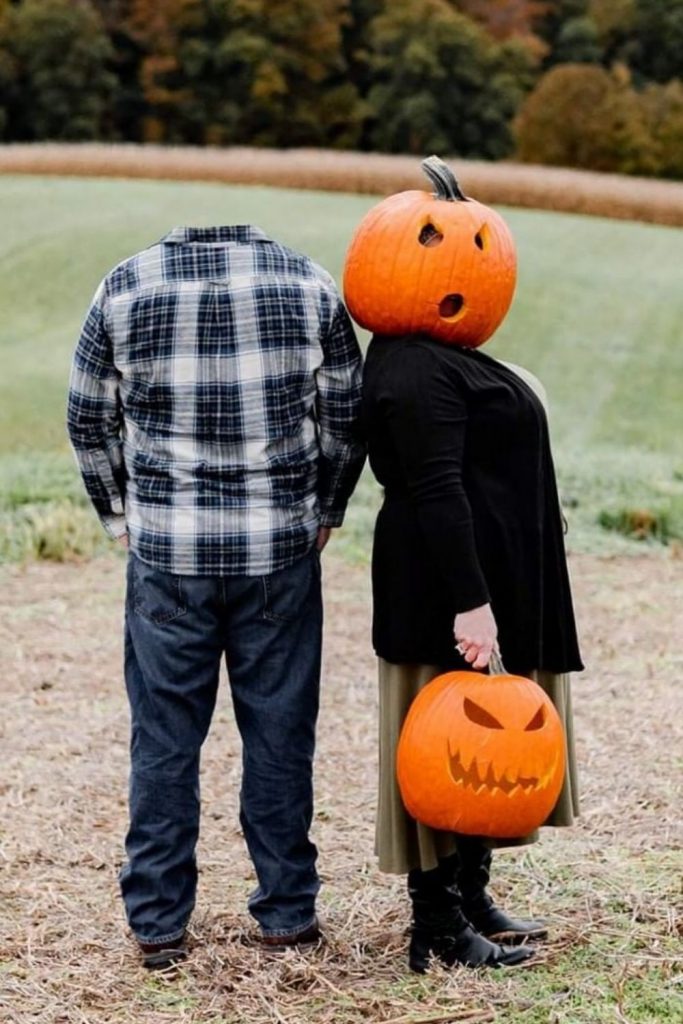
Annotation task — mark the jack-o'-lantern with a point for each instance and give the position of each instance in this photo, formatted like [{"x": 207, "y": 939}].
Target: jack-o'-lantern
[
  {"x": 439, "y": 264},
  {"x": 481, "y": 755}
]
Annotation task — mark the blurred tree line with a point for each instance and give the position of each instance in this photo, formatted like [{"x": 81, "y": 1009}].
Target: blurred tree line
[{"x": 589, "y": 83}]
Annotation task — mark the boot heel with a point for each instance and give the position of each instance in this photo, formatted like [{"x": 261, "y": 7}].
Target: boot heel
[{"x": 419, "y": 951}]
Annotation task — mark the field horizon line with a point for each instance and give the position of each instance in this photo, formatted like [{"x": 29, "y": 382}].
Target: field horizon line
[{"x": 528, "y": 186}]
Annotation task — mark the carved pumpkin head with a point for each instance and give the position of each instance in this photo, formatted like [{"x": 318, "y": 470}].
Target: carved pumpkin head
[
  {"x": 481, "y": 755},
  {"x": 439, "y": 264}
]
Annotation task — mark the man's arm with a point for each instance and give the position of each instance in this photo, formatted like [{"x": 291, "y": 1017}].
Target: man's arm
[
  {"x": 342, "y": 453},
  {"x": 94, "y": 420}
]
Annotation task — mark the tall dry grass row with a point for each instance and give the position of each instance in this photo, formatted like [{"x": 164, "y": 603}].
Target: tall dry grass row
[{"x": 546, "y": 188}]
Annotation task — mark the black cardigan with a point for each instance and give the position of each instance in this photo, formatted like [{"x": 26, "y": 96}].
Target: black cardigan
[{"x": 471, "y": 513}]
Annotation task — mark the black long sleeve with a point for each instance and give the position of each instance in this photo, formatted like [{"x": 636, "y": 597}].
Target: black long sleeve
[{"x": 426, "y": 420}]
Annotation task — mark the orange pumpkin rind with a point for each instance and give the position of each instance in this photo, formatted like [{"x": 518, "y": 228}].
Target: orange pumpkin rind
[
  {"x": 439, "y": 264},
  {"x": 481, "y": 755}
]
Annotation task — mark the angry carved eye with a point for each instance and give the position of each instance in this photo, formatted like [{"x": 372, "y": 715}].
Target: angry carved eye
[
  {"x": 538, "y": 721},
  {"x": 479, "y": 715}
]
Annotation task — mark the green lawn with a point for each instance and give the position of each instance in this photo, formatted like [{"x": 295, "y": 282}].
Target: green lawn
[{"x": 597, "y": 316}]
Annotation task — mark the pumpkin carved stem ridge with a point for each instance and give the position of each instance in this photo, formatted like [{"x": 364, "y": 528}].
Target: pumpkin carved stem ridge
[{"x": 442, "y": 178}]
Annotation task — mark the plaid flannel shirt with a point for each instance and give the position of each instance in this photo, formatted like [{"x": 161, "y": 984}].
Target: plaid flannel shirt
[{"x": 213, "y": 400}]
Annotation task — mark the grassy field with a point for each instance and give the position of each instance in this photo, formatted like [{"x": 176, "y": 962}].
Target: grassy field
[
  {"x": 597, "y": 316},
  {"x": 609, "y": 886}
]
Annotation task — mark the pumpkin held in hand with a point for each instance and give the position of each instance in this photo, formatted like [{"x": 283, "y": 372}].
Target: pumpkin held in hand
[
  {"x": 481, "y": 755},
  {"x": 439, "y": 264}
]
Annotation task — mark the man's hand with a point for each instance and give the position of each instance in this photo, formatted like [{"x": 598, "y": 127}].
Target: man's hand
[
  {"x": 123, "y": 541},
  {"x": 475, "y": 635},
  {"x": 323, "y": 537}
]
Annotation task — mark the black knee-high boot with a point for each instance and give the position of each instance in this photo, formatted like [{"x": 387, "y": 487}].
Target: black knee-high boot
[
  {"x": 440, "y": 928},
  {"x": 470, "y": 869}
]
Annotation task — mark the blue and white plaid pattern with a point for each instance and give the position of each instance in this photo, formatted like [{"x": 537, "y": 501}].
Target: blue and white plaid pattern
[{"x": 213, "y": 400}]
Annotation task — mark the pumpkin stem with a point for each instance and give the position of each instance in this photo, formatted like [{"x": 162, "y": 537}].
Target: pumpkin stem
[{"x": 443, "y": 179}]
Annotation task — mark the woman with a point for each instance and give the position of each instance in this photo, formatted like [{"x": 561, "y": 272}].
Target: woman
[{"x": 468, "y": 559}]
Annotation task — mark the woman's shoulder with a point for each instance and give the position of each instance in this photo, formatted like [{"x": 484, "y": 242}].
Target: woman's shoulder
[
  {"x": 530, "y": 379},
  {"x": 408, "y": 367}
]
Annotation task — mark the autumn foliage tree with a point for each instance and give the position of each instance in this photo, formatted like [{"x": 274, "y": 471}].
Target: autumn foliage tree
[
  {"x": 505, "y": 19},
  {"x": 270, "y": 73},
  {"x": 663, "y": 108},
  {"x": 584, "y": 116},
  {"x": 595, "y": 82}
]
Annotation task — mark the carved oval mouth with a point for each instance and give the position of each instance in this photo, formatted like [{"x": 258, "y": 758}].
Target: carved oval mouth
[
  {"x": 477, "y": 780},
  {"x": 452, "y": 306}
]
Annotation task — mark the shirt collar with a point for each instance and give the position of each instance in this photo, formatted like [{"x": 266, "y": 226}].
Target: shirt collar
[{"x": 215, "y": 236}]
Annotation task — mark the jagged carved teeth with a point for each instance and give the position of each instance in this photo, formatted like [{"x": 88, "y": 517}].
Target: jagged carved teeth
[{"x": 474, "y": 777}]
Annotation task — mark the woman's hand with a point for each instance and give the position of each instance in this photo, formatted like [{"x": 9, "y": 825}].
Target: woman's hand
[{"x": 475, "y": 635}]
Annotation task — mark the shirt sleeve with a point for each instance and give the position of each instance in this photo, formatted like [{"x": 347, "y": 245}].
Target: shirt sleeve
[
  {"x": 342, "y": 451},
  {"x": 94, "y": 420},
  {"x": 427, "y": 421}
]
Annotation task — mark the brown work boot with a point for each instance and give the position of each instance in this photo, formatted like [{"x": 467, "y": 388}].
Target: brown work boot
[
  {"x": 309, "y": 936},
  {"x": 158, "y": 955}
]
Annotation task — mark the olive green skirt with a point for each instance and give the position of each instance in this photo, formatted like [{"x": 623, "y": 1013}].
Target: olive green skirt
[{"x": 403, "y": 843}]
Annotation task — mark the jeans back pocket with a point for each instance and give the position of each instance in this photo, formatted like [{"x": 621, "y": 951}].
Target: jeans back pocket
[{"x": 157, "y": 596}]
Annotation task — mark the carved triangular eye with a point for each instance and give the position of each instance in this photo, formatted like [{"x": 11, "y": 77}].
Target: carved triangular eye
[
  {"x": 538, "y": 721},
  {"x": 480, "y": 716},
  {"x": 481, "y": 239},
  {"x": 430, "y": 236}
]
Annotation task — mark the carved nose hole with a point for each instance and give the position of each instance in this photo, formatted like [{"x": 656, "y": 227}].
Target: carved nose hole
[
  {"x": 451, "y": 305},
  {"x": 430, "y": 236}
]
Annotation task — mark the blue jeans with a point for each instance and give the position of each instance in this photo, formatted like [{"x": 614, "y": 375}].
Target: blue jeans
[{"x": 177, "y": 629}]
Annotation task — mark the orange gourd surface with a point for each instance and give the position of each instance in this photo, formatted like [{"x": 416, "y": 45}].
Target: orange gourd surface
[
  {"x": 481, "y": 755},
  {"x": 440, "y": 264}
]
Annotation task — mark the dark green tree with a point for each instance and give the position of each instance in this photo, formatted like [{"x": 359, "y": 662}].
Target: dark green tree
[
  {"x": 555, "y": 13},
  {"x": 57, "y": 53},
  {"x": 659, "y": 39},
  {"x": 354, "y": 34},
  {"x": 615, "y": 24},
  {"x": 128, "y": 106},
  {"x": 8, "y": 69},
  {"x": 577, "y": 42},
  {"x": 569, "y": 32},
  {"x": 440, "y": 83}
]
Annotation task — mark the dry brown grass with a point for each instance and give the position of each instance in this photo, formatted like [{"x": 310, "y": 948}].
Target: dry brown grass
[
  {"x": 609, "y": 885},
  {"x": 547, "y": 188}
]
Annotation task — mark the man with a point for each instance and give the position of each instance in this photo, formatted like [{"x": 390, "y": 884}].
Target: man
[{"x": 212, "y": 405}]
